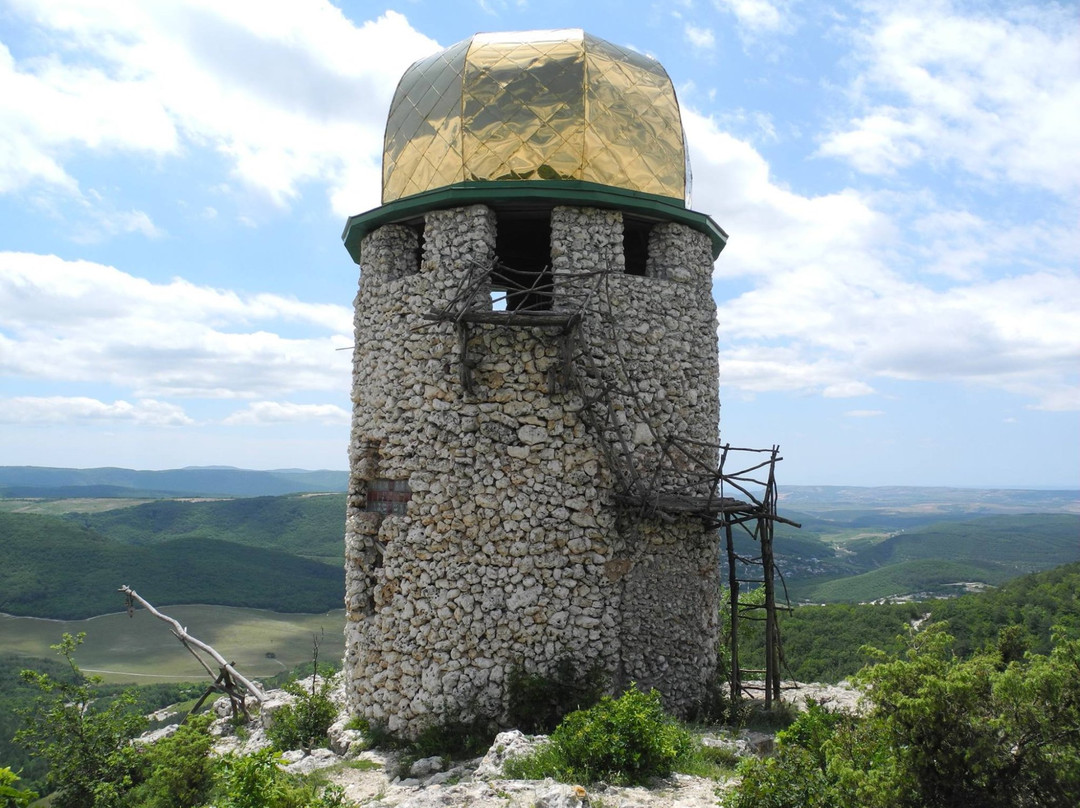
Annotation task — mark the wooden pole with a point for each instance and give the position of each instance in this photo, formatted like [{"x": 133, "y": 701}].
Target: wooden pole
[
  {"x": 772, "y": 680},
  {"x": 181, "y": 634},
  {"x": 733, "y": 638}
]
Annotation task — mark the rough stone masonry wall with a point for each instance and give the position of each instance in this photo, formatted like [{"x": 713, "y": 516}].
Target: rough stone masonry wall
[{"x": 511, "y": 551}]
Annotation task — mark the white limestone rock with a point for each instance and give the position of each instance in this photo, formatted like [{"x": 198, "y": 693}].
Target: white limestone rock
[{"x": 509, "y": 744}]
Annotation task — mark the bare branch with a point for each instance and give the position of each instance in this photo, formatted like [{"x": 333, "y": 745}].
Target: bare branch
[{"x": 181, "y": 634}]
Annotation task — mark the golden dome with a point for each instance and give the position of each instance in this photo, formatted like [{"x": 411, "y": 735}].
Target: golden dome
[{"x": 535, "y": 105}]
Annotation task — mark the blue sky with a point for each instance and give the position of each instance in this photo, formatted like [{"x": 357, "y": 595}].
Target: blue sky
[{"x": 899, "y": 302}]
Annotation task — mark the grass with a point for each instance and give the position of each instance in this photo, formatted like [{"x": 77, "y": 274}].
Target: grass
[
  {"x": 141, "y": 649},
  {"x": 364, "y": 765},
  {"x": 59, "y": 507},
  {"x": 842, "y": 536}
]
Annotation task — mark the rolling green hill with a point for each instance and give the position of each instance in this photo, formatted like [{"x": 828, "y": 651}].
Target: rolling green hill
[
  {"x": 837, "y": 499},
  {"x": 1026, "y": 543},
  {"x": 188, "y": 482},
  {"x": 931, "y": 561},
  {"x": 308, "y": 525},
  {"x": 925, "y": 578},
  {"x": 54, "y": 568}
]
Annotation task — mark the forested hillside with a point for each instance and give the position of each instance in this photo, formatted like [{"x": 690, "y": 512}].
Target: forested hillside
[
  {"x": 1026, "y": 543},
  {"x": 17, "y": 696},
  {"x": 822, "y": 643},
  {"x": 308, "y": 525},
  {"x": 56, "y": 568},
  {"x": 858, "y": 566}
]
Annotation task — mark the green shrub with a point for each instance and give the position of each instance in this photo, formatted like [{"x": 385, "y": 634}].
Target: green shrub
[
  {"x": 537, "y": 702},
  {"x": 256, "y": 781},
  {"x": 11, "y": 796},
  {"x": 796, "y": 776},
  {"x": 252, "y": 781},
  {"x": 455, "y": 738},
  {"x": 940, "y": 732},
  {"x": 756, "y": 716},
  {"x": 624, "y": 740},
  {"x": 811, "y": 729},
  {"x": 93, "y": 763},
  {"x": 303, "y": 724},
  {"x": 181, "y": 772}
]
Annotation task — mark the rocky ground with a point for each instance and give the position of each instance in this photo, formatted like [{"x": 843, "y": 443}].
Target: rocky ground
[{"x": 382, "y": 779}]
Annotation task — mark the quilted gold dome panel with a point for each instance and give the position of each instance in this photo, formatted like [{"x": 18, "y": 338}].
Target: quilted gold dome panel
[{"x": 544, "y": 105}]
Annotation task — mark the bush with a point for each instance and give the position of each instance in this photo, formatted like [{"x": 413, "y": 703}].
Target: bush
[
  {"x": 180, "y": 770},
  {"x": 940, "y": 732},
  {"x": 252, "y": 781},
  {"x": 256, "y": 781},
  {"x": 454, "y": 738},
  {"x": 303, "y": 724},
  {"x": 536, "y": 702},
  {"x": 93, "y": 763},
  {"x": 796, "y": 776},
  {"x": 624, "y": 740},
  {"x": 11, "y": 796}
]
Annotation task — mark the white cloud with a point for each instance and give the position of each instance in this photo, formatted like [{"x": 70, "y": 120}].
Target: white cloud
[
  {"x": 831, "y": 308},
  {"x": 104, "y": 224},
  {"x": 29, "y": 410},
  {"x": 261, "y": 413},
  {"x": 758, "y": 368},
  {"x": 1064, "y": 398},
  {"x": 287, "y": 92},
  {"x": 773, "y": 228},
  {"x": 755, "y": 15},
  {"x": 995, "y": 93},
  {"x": 80, "y": 321},
  {"x": 847, "y": 389},
  {"x": 701, "y": 38},
  {"x": 864, "y": 413},
  {"x": 496, "y": 7}
]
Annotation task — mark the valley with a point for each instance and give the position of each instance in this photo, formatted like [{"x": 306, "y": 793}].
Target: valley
[
  {"x": 141, "y": 650},
  {"x": 259, "y": 574}
]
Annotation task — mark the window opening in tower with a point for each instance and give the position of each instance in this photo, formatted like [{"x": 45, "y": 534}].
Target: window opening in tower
[{"x": 523, "y": 269}]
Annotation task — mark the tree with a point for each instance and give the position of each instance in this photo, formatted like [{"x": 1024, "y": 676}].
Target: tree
[
  {"x": 88, "y": 745},
  {"x": 180, "y": 771},
  {"x": 11, "y": 796},
  {"x": 940, "y": 732},
  {"x": 980, "y": 731}
]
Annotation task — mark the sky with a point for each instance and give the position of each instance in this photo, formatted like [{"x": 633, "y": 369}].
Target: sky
[{"x": 898, "y": 303}]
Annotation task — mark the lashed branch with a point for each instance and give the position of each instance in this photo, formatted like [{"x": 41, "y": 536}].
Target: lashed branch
[{"x": 187, "y": 640}]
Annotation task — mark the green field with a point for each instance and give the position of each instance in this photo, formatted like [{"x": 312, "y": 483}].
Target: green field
[
  {"x": 141, "y": 649},
  {"x": 59, "y": 507}
]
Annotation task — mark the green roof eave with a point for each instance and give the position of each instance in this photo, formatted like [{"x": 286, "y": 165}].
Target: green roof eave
[{"x": 501, "y": 193}]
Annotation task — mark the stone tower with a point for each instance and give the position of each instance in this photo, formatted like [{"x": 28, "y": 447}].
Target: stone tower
[{"x": 534, "y": 386}]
